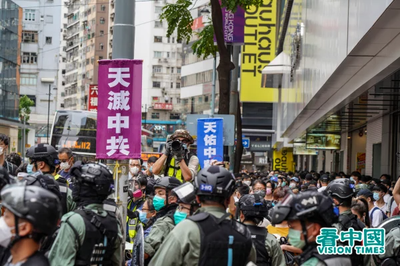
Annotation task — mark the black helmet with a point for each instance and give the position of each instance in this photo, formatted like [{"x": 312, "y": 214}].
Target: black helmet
[
  {"x": 253, "y": 206},
  {"x": 214, "y": 181},
  {"x": 168, "y": 183},
  {"x": 341, "y": 188},
  {"x": 185, "y": 193},
  {"x": 309, "y": 205},
  {"x": 91, "y": 180},
  {"x": 43, "y": 181},
  {"x": 4, "y": 178},
  {"x": 34, "y": 204},
  {"x": 43, "y": 152}
]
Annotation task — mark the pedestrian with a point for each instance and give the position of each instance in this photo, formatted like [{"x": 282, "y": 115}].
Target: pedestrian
[
  {"x": 376, "y": 215},
  {"x": 14, "y": 158},
  {"x": 324, "y": 181},
  {"x": 66, "y": 158},
  {"x": 177, "y": 160},
  {"x": 379, "y": 193},
  {"x": 4, "y": 142},
  {"x": 89, "y": 235},
  {"x": 306, "y": 214},
  {"x": 136, "y": 199},
  {"x": 147, "y": 215},
  {"x": 253, "y": 210},
  {"x": 135, "y": 166},
  {"x": 30, "y": 214},
  {"x": 211, "y": 236}
]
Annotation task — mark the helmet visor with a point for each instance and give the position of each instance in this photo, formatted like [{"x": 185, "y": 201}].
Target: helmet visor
[{"x": 13, "y": 198}]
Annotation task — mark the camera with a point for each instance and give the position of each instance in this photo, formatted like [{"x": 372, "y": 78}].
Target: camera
[{"x": 176, "y": 146}]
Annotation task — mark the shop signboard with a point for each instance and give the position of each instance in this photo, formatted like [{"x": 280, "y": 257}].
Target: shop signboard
[
  {"x": 323, "y": 141},
  {"x": 260, "y": 146},
  {"x": 301, "y": 149},
  {"x": 283, "y": 160},
  {"x": 360, "y": 161},
  {"x": 233, "y": 26},
  {"x": 93, "y": 98}
]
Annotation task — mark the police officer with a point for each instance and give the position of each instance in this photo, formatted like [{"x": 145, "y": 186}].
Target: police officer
[
  {"x": 210, "y": 237},
  {"x": 30, "y": 214},
  {"x": 89, "y": 235},
  {"x": 178, "y": 161},
  {"x": 253, "y": 210},
  {"x": 342, "y": 192},
  {"x": 162, "y": 227},
  {"x": 306, "y": 214},
  {"x": 135, "y": 202},
  {"x": 43, "y": 159}
]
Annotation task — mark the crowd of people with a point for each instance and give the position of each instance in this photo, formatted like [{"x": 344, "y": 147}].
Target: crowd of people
[{"x": 55, "y": 211}]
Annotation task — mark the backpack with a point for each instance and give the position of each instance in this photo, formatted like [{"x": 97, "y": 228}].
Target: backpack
[
  {"x": 222, "y": 241},
  {"x": 372, "y": 214},
  {"x": 259, "y": 235}
]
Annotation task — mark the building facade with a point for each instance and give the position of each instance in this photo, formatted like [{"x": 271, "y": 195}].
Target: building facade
[{"x": 10, "y": 60}]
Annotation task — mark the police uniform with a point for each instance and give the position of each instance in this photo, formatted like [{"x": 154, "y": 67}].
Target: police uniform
[
  {"x": 159, "y": 231},
  {"x": 67, "y": 202},
  {"x": 132, "y": 223},
  {"x": 392, "y": 244},
  {"x": 66, "y": 246},
  {"x": 311, "y": 257},
  {"x": 182, "y": 246}
]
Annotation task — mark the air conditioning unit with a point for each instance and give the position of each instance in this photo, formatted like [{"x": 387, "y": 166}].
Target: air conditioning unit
[
  {"x": 71, "y": 44},
  {"x": 159, "y": 60},
  {"x": 165, "y": 60}
]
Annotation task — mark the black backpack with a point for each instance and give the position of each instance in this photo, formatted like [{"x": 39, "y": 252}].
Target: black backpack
[
  {"x": 222, "y": 240},
  {"x": 258, "y": 235}
]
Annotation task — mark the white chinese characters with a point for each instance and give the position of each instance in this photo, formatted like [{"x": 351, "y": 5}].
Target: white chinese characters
[
  {"x": 118, "y": 76},
  {"x": 210, "y": 142}
]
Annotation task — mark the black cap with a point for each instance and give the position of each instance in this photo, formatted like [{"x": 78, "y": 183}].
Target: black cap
[
  {"x": 324, "y": 178},
  {"x": 366, "y": 193}
]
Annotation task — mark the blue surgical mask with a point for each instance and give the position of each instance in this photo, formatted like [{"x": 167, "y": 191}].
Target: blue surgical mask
[
  {"x": 376, "y": 196},
  {"x": 283, "y": 183},
  {"x": 143, "y": 217},
  {"x": 179, "y": 217},
  {"x": 29, "y": 169},
  {"x": 351, "y": 178},
  {"x": 295, "y": 238},
  {"x": 158, "y": 203},
  {"x": 151, "y": 169}
]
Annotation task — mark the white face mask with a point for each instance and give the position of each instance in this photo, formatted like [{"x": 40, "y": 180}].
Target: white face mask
[
  {"x": 247, "y": 182},
  {"x": 1, "y": 150},
  {"x": 134, "y": 170},
  {"x": 5, "y": 233},
  {"x": 64, "y": 166}
]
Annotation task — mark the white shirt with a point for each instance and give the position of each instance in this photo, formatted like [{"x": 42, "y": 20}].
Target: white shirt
[
  {"x": 321, "y": 189},
  {"x": 383, "y": 208},
  {"x": 377, "y": 218},
  {"x": 386, "y": 198}
]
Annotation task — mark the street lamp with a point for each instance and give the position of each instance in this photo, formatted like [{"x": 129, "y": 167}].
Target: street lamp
[{"x": 48, "y": 81}]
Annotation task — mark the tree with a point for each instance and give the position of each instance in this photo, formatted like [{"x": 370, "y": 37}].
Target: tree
[{"x": 25, "y": 105}]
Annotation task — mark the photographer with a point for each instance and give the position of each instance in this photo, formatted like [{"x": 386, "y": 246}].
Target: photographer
[{"x": 177, "y": 161}]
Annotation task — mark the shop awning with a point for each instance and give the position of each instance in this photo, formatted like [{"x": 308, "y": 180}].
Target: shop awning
[{"x": 280, "y": 65}]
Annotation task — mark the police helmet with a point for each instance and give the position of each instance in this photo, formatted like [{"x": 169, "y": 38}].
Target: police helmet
[
  {"x": 4, "y": 177},
  {"x": 34, "y": 204},
  {"x": 93, "y": 177},
  {"x": 185, "y": 193},
  {"x": 214, "y": 181},
  {"x": 341, "y": 188},
  {"x": 168, "y": 183},
  {"x": 309, "y": 205},
  {"x": 253, "y": 206},
  {"x": 43, "y": 181},
  {"x": 43, "y": 152}
]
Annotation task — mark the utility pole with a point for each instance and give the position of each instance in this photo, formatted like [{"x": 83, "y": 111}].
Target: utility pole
[
  {"x": 214, "y": 75},
  {"x": 124, "y": 30},
  {"x": 48, "y": 116},
  {"x": 234, "y": 105}
]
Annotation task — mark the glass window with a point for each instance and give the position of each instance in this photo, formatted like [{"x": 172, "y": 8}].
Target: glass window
[
  {"x": 157, "y": 24},
  {"x": 200, "y": 100},
  {"x": 178, "y": 85},
  {"x": 178, "y": 100},
  {"x": 178, "y": 70},
  {"x": 157, "y": 54},
  {"x": 157, "y": 38},
  {"x": 174, "y": 116},
  {"x": 156, "y": 84},
  {"x": 103, "y": 8},
  {"x": 49, "y": 19},
  {"x": 102, "y": 21},
  {"x": 155, "y": 115},
  {"x": 29, "y": 14},
  {"x": 30, "y": 36},
  {"x": 49, "y": 40},
  {"x": 172, "y": 85},
  {"x": 168, "y": 54},
  {"x": 101, "y": 46},
  {"x": 206, "y": 99},
  {"x": 101, "y": 32},
  {"x": 28, "y": 79},
  {"x": 157, "y": 69},
  {"x": 29, "y": 58}
]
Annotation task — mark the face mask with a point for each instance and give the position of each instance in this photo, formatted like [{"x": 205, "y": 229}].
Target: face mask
[
  {"x": 151, "y": 169},
  {"x": 5, "y": 233},
  {"x": 64, "y": 166},
  {"x": 247, "y": 182},
  {"x": 318, "y": 185},
  {"x": 292, "y": 185},
  {"x": 351, "y": 178},
  {"x": 134, "y": 170},
  {"x": 143, "y": 217},
  {"x": 179, "y": 216},
  {"x": 158, "y": 203},
  {"x": 283, "y": 184},
  {"x": 235, "y": 198},
  {"x": 1, "y": 150},
  {"x": 185, "y": 146},
  {"x": 29, "y": 168},
  {"x": 269, "y": 191},
  {"x": 295, "y": 238},
  {"x": 260, "y": 192},
  {"x": 382, "y": 180},
  {"x": 376, "y": 196}
]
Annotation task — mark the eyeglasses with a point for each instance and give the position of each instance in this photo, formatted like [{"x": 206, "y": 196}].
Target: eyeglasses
[{"x": 181, "y": 208}]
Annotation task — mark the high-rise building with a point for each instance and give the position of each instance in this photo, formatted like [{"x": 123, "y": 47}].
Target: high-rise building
[
  {"x": 10, "y": 39},
  {"x": 86, "y": 43},
  {"x": 40, "y": 57}
]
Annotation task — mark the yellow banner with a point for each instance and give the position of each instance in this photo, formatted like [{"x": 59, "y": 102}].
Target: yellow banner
[
  {"x": 283, "y": 160},
  {"x": 257, "y": 52}
]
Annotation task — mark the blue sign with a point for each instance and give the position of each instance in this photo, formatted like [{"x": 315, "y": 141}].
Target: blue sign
[
  {"x": 245, "y": 142},
  {"x": 210, "y": 140}
]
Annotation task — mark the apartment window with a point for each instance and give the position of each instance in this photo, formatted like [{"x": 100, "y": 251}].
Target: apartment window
[
  {"x": 101, "y": 32},
  {"x": 173, "y": 55},
  {"x": 28, "y": 79},
  {"x": 178, "y": 100},
  {"x": 156, "y": 84},
  {"x": 157, "y": 24},
  {"x": 30, "y": 36},
  {"x": 179, "y": 41},
  {"x": 157, "y": 54},
  {"x": 178, "y": 85},
  {"x": 206, "y": 99},
  {"x": 103, "y": 8},
  {"x": 30, "y": 15},
  {"x": 168, "y": 40},
  {"x": 172, "y": 70},
  {"x": 102, "y": 21},
  {"x": 155, "y": 115},
  {"x": 87, "y": 61},
  {"x": 173, "y": 39},
  {"x": 49, "y": 40},
  {"x": 174, "y": 116},
  {"x": 29, "y": 58},
  {"x": 100, "y": 58},
  {"x": 158, "y": 10},
  {"x": 172, "y": 85},
  {"x": 178, "y": 70},
  {"x": 168, "y": 54},
  {"x": 157, "y": 69},
  {"x": 200, "y": 99},
  {"x": 157, "y": 38},
  {"x": 185, "y": 101},
  {"x": 101, "y": 46},
  {"x": 49, "y": 19}
]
